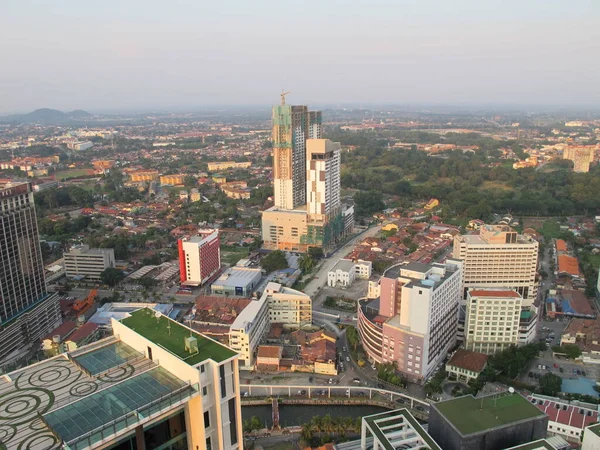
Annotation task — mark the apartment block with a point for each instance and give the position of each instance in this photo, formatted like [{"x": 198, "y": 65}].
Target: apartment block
[
  {"x": 492, "y": 320},
  {"x": 582, "y": 157},
  {"x": 248, "y": 330},
  {"x": 287, "y": 306},
  {"x": 413, "y": 323},
  {"x": 27, "y": 311},
  {"x": 224, "y": 165},
  {"x": 83, "y": 262},
  {"x": 173, "y": 180},
  {"x": 199, "y": 257},
  {"x": 153, "y": 384},
  {"x": 144, "y": 175}
]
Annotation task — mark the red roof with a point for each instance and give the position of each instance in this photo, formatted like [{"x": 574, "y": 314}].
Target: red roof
[
  {"x": 568, "y": 264},
  {"x": 561, "y": 245},
  {"x": 492, "y": 293},
  {"x": 562, "y": 412},
  {"x": 83, "y": 332},
  {"x": 465, "y": 359},
  {"x": 63, "y": 330}
]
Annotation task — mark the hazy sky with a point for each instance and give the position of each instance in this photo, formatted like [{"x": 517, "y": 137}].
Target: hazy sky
[{"x": 141, "y": 54}]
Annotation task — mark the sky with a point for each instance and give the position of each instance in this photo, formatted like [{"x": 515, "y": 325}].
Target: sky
[{"x": 141, "y": 55}]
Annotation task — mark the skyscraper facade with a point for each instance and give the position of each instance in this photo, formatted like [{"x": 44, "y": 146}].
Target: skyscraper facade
[
  {"x": 306, "y": 180},
  {"x": 27, "y": 311}
]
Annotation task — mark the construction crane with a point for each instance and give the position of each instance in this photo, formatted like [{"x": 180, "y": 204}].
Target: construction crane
[{"x": 283, "y": 94}]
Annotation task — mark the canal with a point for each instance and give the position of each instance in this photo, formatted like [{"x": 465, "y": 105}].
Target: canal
[{"x": 290, "y": 415}]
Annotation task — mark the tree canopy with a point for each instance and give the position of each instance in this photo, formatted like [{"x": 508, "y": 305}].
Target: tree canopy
[{"x": 274, "y": 261}]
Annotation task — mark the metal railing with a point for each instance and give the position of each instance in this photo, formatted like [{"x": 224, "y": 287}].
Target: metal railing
[{"x": 131, "y": 418}]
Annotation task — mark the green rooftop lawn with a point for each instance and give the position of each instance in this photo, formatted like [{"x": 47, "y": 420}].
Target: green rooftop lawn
[
  {"x": 146, "y": 324},
  {"x": 535, "y": 445},
  {"x": 466, "y": 414}
]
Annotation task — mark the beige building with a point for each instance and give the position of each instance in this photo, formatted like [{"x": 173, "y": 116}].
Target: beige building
[
  {"x": 144, "y": 175},
  {"x": 223, "y": 165},
  {"x": 323, "y": 180},
  {"x": 172, "y": 180},
  {"x": 287, "y": 306},
  {"x": 492, "y": 320},
  {"x": 582, "y": 157},
  {"x": 248, "y": 331},
  {"x": 89, "y": 263},
  {"x": 498, "y": 257},
  {"x": 284, "y": 229}
]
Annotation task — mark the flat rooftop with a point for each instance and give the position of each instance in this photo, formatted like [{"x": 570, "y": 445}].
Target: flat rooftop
[
  {"x": 76, "y": 398},
  {"x": 171, "y": 336},
  {"x": 399, "y": 429},
  {"x": 236, "y": 276},
  {"x": 471, "y": 415}
]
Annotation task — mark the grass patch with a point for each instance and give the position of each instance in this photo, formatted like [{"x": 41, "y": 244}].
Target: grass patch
[
  {"x": 468, "y": 416},
  {"x": 232, "y": 255},
  {"x": 145, "y": 323},
  {"x": 71, "y": 173},
  {"x": 595, "y": 260},
  {"x": 551, "y": 229},
  {"x": 495, "y": 185}
]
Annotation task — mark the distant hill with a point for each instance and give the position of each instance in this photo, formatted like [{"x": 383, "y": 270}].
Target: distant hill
[{"x": 48, "y": 116}]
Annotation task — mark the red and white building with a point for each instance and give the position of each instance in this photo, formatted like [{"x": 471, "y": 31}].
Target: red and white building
[
  {"x": 566, "y": 419},
  {"x": 199, "y": 257}
]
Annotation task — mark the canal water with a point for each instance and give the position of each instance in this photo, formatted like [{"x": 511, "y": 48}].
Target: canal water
[{"x": 291, "y": 415}]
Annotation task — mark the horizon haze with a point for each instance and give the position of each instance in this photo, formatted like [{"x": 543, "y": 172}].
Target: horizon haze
[{"x": 141, "y": 55}]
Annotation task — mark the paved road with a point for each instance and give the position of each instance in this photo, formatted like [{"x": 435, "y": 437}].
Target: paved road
[{"x": 320, "y": 278}]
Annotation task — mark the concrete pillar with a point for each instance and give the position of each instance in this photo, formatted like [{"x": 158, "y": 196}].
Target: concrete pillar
[
  {"x": 363, "y": 435},
  {"x": 194, "y": 423},
  {"x": 139, "y": 438}
]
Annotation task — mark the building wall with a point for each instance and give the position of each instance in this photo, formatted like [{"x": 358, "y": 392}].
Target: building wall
[
  {"x": 88, "y": 262},
  {"x": 500, "y": 265},
  {"x": 591, "y": 441},
  {"x": 495, "y": 439},
  {"x": 27, "y": 311},
  {"x": 245, "y": 340},
  {"x": 283, "y": 230},
  {"x": 290, "y": 309},
  {"x": 174, "y": 180},
  {"x": 199, "y": 261},
  {"x": 487, "y": 318},
  {"x": 323, "y": 179}
]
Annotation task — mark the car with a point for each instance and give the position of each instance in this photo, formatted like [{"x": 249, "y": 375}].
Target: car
[
  {"x": 356, "y": 381},
  {"x": 583, "y": 373},
  {"x": 574, "y": 372},
  {"x": 561, "y": 370},
  {"x": 578, "y": 372},
  {"x": 344, "y": 349},
  {"x": 330, "y": 381},
  {"x": 310, "y": 379},
  {"x": 347, "y": 359},
  {"x": 373, "y": 367},
  {"x": 245, "y": 394},
  {"x": 348, "y": 392},
  {"x": 530, "y": 374},
  {"x": 539, "y": 367}
]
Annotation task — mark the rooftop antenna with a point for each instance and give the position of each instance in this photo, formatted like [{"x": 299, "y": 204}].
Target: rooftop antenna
[{"x": 283, "y": 94}]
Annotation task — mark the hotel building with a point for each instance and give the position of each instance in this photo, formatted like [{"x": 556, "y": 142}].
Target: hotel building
[
  {"x": 413, "y": 323},
  {"x": 199, "y": 257},
  {"x": 89, "y": 263}
]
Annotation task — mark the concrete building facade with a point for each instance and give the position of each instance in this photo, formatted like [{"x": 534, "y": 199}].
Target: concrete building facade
[
  {"x": 287, "y": 306},
  {"x": 248, "y": 330},
  {"x": 27, "y": 311},
  {"x": 89, "y": 263},
  {"x": 414, "y": 322},
  {"x": 492, "y": 320},
  {"x": 199, "y": 257}
]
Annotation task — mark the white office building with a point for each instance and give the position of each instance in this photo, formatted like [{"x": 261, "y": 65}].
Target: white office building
[
  {"x": 287, "y": 306},
  {"x": 88, "y": 263},
  {"x": 248, "y": 330}
]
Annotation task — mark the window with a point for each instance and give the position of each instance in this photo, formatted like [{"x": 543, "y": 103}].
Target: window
[
  {"x": 202, "y": 369},
  {"x": 204, "y": 390},
  {"x": 208, "y": 444},
  {"x": 206, "y": 419},
  {"x": 223, "y": 383}
]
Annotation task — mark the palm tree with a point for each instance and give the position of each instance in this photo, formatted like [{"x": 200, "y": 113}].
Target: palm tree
[
  {"x": 328, "y": 425},
  {"x": 316, "y": 424},
  {"x": 306, "y": 263},
  {"x": 306, "y": 432}
]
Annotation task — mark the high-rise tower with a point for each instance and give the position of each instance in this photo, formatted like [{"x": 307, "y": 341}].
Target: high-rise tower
[
  {"x": 306, "y": 181},
  {"x": 27, "y": 311}
]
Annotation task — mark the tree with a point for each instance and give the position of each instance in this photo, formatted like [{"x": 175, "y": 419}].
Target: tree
[
  {"x": 315, "y": 253},
  {"x": 111, "y": 276},
  {"x": 274, "y": 261},
  {"x": 571, "y": 351},
  {"x": 550, "y": 384},
  {"x": 352, "y": 337},
  {"x": 368, "y": 202},
  {"x": 306, "y": 263}
]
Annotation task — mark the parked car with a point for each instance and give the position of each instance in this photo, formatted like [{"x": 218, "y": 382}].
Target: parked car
[
  {"x": 561, "y": 369},
  {"x": 347, "y": 359},
  {"x": 583, "y": 373}
]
